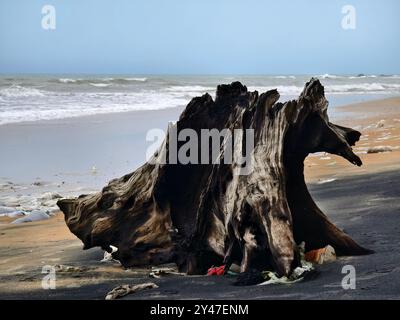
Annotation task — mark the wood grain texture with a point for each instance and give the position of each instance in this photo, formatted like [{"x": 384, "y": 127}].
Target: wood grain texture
[{"x": 199, "y": 215}]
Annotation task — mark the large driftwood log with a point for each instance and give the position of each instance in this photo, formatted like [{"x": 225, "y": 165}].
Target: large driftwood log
[{"x": 199, "y": 215}]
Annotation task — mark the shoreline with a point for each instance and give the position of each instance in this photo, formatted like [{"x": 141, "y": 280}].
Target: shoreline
[
  {"x": 81, "y": 155},
  {"x": 362, "y": 200},
  {"x": 93, "y": 118},
  {"x": 120, "y": 115}
]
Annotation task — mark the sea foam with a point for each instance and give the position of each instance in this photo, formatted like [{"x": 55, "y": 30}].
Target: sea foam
[
  {"x": 41, "y": 98},
  {"x": 17, "y": 91}
]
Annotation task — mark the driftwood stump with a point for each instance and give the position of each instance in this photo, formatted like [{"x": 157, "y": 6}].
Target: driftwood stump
[{"x": 199, "y": 215}]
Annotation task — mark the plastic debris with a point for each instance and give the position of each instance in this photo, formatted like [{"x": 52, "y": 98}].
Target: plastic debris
[
  {"x": 108, "y": 255},
  {"x": 322, "y": 255},
  {"x": 216, "y": 271},
  {"x": 305, "y": 269}
]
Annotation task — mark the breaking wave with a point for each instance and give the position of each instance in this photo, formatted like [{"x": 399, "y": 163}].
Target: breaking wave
[
  {"x": 17, "y": 91},
  {"x": 99, "y": 80},
  {"x": 32, "y": 99}
]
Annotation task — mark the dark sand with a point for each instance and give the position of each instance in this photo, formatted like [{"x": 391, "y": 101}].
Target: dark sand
[
  {"x": 363, "y": 201},
  {"x": 366, "y": 206}
]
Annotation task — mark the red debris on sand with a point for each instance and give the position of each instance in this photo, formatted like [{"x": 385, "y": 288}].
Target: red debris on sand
[
  {"x": 216, "y": 271},
  {"x": 321, "y": 255}
]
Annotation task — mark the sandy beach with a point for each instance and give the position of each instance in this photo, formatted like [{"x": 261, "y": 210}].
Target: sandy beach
[
  {"x": 199, "y": 158},
  {"x": 361, "y": 200},
  {"x": 379, "y": 123}
]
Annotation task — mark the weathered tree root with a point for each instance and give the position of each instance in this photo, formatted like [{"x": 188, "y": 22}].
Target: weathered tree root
[{"x": 199, "y": 215}]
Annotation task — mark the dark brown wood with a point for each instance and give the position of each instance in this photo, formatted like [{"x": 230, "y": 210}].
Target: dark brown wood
[{"x": 199, "y": 215}]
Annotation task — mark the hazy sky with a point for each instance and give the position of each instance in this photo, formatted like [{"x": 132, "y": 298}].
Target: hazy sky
[{"x": 200, "y": 36}]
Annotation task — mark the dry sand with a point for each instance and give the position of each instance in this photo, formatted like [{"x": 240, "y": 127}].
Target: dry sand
[
  {"x": 350, "y": 202},
  {"x": 379, "y": 123}
]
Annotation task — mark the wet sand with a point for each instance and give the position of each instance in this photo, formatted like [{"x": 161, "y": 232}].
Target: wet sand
[{"x": 363, "y": 201}]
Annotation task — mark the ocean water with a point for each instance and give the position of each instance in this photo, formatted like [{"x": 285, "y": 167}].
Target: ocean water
[
  {"x": 33, "y": 98},
  {"x": 42, "y": 162}
]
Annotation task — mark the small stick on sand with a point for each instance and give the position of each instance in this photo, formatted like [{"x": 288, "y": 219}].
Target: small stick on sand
[{"x": 126, "y": 289}]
